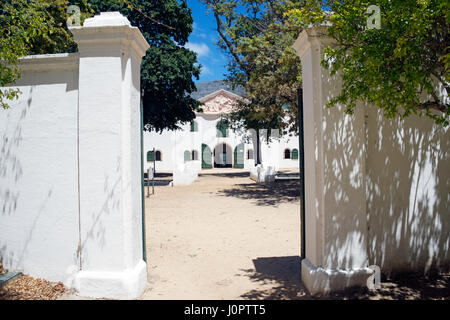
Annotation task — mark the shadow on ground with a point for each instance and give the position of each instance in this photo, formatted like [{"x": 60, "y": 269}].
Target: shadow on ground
[
  {"x": 269, "y": 194},
  {"x": 283, "y": 275},
  {"x": 242, "y": 174},
  {"x": 407, "y": 286},
  {"x": 160, "y": 179}
]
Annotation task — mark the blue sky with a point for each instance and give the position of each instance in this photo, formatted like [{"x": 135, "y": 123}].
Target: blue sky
[{"x": 202, "y": 40}]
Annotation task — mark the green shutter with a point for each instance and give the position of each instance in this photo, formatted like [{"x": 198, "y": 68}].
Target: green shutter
[
  {"x": 219, "y": 129},
  {"x": 294, "y": 154},
  {"x": 206, "y": 157},
  {"x": 187, "y": 155},
  {"x": 222, "y": 129},
  {"x": 194, "y": 126},
  {"x": 150, "y": 156},
  {"x": 239, "y": 156}
]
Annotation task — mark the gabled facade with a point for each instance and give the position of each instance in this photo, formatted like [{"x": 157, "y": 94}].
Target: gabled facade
[{"x": 209, "y": 143}]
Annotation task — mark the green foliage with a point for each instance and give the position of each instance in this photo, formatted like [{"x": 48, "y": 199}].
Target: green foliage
[
  {"x": 398, "y": 67},
  {"x": 258, "y": 38},
  {"x": 31, "y": 27},
  {"x": 39, "y": 27},
  {"x": 168, "y": 67}
]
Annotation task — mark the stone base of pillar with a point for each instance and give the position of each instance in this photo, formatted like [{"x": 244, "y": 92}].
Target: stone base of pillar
[
  {"x": 320, "y": 281},
  {"x": 126, "y": 284}
]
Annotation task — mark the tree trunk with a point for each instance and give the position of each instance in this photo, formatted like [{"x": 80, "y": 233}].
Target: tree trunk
[{"x": 258, "y": 158}]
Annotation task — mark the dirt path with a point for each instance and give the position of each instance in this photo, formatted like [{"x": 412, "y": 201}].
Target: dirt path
[{"x": 224, "y": 237}]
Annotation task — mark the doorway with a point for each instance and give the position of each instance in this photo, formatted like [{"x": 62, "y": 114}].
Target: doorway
[{"x": 223, "y": 156}]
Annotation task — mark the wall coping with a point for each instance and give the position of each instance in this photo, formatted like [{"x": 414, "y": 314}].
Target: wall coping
[
  {"x": 312, "y": 35},
  {"x": 47, "y": 62},
  {"x": 107, "y": 28}
]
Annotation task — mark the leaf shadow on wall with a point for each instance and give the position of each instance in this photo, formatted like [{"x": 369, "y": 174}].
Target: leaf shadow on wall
[
  {"x": 408, "y": 194},
  {"x": 388, "y": 183},
  {"x": 11, "y": 171}
]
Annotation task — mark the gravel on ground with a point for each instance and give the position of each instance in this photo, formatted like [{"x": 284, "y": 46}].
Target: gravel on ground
[{"x": 25, "y": 287}]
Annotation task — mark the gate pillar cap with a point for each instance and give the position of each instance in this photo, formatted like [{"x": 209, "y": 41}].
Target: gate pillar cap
[
  {"x": 105, "y": 29},
  {"x": 312, "y": 35},
  {"x": 105, "y": 19}
]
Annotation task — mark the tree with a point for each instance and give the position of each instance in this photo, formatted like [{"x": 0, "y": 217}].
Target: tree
[
  {"x": 258, "y": 38},
  {"x": 400, "y": 67},
  {"x": 39, "y": 26},
  {"x": 168, "y": 68},
  {"x": 31, "y": 27}
]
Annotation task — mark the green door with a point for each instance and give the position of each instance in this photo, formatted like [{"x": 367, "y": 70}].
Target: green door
[
  {"x": 187, "y": 155},
  {"x": 239, "y": 156},
  {"x": 206, "y": 157}
]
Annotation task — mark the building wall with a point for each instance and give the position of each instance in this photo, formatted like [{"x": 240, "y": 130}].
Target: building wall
[
  {"x": 70, "y": 164},
  {"x": 377, "y": 189},
  {"x": 408, "y": 193},
  {"x": 162, "y": 142},
  {"x": 173, "y": 144},
  {"x": 39, "y": 170}
]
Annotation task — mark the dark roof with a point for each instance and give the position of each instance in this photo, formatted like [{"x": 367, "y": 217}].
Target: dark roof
[{"x": 208, "y": 87}]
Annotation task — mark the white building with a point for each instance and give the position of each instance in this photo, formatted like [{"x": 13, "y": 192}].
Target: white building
[{"x": 208, "y": 143}]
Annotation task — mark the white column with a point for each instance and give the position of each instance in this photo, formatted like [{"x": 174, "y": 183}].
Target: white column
[
  {"x": 111, "y": 250},
  {"x": 335, "y": 205}
]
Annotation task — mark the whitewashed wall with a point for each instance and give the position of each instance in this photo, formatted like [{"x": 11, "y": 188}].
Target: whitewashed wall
[
  {"x": 70, "y": 166},
  {"x": 408, "y": 193},
  {"x": 39, "y": 169},
  {"x": 377, "y": 190},
  {"x": 172, "y": 144},
  {"x": 161, "y": 142}
]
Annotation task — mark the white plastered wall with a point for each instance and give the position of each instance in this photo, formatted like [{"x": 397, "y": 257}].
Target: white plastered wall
[
  {"x": 407, "y": 190},
  {"x": 70, "y": 166},
  {"x": 39, "y": 171},
  {"x": 172, "y": 145},
  {"x": 376, "y": 189}
]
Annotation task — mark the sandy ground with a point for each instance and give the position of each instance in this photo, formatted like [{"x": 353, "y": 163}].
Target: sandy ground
[{"x": 224, "y": 237}]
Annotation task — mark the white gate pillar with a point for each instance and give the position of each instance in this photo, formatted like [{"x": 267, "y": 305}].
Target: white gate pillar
[
  {"x": 111, "y": 245},
  {"x": 335, "y": 205}
]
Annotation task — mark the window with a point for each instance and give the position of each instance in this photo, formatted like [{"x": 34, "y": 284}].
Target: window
[
  {"x": 250, "y": 154},
  {"x": 294, "y": 154},
  {"x": 158, "y": 155},
  {"x": 150, "y": 156},
  {"x": 222, "y": 129},
  {"x": 194, "y": 155},
  {"x": 194, "y": 126},
  {"x": 287, "y": 153},
  {"x": 187, "y": 155}
]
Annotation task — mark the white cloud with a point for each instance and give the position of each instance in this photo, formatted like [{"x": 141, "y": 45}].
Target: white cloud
[
  {"x": 205, "y": 71},
  {"x": 201, "y": 49}
]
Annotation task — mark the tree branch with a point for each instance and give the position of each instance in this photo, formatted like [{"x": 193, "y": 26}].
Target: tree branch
[
  {"x": 229, "y": 45},
  {"x": 433, "y": 105}
]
